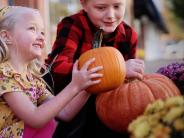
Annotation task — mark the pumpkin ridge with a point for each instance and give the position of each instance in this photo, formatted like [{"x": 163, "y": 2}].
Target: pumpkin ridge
[
  {"x": 151, "y": 83},
  {"x": 165, "y": 84},
  {"x": 166, "y": 88},
  {"x": 137, "y": 87},
  {"x": 169, "y": 83},
  {"x": 108, "y": 54},
  {"x": 115, "y": 73},
  {"x": 119, "y": 67},
  {"x": 103, "y": 71}
]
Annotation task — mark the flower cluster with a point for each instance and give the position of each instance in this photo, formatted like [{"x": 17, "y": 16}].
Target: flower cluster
[
  {"x": 161, "y": 119},
  {"x": 174, "y": 71}
]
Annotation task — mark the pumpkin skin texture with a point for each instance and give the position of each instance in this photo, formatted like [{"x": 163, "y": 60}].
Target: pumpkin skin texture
[
  {"x": 117, "y": 108},
  {"x": 113, "y": 68}
]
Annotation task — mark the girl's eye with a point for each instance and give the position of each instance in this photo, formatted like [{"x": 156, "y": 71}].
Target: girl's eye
[
  {"x": 32, "y": 28},
  {"x": 116, "y": 7},
  {"x": 100, "y": 8}
]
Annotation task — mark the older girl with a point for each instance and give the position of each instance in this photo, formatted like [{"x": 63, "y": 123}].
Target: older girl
[{"x": 74, "y": 36}]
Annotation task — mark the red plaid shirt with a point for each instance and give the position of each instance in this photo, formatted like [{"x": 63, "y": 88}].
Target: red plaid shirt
[{"x": 74, "y": 37}]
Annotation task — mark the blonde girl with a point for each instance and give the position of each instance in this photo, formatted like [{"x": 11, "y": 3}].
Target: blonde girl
[{"x": 27, "y": 108}]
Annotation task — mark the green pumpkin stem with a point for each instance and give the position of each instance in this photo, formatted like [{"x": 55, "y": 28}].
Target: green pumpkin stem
[{"x": 97, "y": 40}]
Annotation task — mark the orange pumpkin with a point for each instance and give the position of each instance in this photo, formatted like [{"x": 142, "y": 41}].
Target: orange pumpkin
[
  {"x": 117, "y": 108},
  {"x": 113, "y": 68}
]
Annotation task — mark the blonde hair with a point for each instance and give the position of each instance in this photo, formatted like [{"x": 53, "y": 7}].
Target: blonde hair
[{"x": 8, "y": 17}]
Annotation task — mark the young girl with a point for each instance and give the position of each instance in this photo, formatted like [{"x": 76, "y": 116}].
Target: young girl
[
  {"x": 26, "y": 106},
  {"x": 74, "y": 36}
]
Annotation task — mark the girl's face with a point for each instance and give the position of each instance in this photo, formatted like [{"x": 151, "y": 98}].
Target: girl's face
[
  {"x": 28, "y": 35},
  {"x": 107, "y": 14}
]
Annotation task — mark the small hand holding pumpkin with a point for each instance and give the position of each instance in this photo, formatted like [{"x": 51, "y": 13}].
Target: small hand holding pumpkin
[
  {"x": 134, "y": 68},
  {"x": 83, "y": 78}
]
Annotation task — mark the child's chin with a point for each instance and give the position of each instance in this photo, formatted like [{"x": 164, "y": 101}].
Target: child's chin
[
  {"x": 110, "y": 30},
  {"x": 38, "y": 56}
]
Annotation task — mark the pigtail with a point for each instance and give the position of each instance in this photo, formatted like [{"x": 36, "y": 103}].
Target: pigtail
[
  {"x": 4, "y": 52},
  {"x": 39, "y": 70}
]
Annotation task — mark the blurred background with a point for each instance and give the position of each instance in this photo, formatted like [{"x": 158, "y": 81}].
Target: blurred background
[{"x": 159, "y": 24}]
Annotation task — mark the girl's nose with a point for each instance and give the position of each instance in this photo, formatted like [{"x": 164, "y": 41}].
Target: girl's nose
[
  {"x": 110, "y": 14},
  {"x": 41, "y": 37}
]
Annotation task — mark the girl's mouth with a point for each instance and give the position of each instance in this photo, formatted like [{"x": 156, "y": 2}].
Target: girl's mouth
[
  {"x": 38, "y": 45},
  {"x": 109, "y": 23}
]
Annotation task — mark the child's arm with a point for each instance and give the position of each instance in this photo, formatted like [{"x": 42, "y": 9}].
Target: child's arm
[
  {"x": 38, "y": 116},
  {"x": 134, "y": 67},
  {"x": 72, "y": 108}
]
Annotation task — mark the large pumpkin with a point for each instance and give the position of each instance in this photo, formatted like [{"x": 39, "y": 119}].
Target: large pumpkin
[
  {"x": 117, "y": 108},
  {"x": 112, "y": 61},
  {"x": 113, "y": 68}
]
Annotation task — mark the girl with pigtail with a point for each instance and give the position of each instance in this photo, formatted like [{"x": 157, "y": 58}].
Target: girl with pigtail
[{"x": 27, "y": 108}]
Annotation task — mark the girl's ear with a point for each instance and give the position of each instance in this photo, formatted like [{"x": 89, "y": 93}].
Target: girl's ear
[{"x": 5, "y": 36}]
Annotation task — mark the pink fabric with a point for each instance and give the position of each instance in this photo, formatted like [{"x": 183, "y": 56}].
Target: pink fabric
[{"x": 44, "y": 132}]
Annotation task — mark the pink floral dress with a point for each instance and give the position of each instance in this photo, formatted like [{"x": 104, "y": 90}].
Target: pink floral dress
[{"x": 10, "y": 125}]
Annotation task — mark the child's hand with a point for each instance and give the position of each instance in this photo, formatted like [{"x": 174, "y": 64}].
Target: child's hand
[
  {"x": 134, "y": 68},
  {"x": 83, "y": 78}
]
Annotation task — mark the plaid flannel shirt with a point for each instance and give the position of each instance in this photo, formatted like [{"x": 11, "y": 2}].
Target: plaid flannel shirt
[{"x": 74, "y": 37}]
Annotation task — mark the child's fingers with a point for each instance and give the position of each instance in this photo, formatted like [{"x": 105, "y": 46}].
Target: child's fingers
[
  {"x": 86, "y": 65},
  {"x": 95, "y": 75},
  {"x": 95, "y": 69},
  {"x": 75, "y": 66},
  {"x": 89, "y": 83},
  {"x": 139, "y": 70},
  {"x": 140, "y": 62},
  {"x": 139, "y": 75},
  {"x": 95, "y": 82}
]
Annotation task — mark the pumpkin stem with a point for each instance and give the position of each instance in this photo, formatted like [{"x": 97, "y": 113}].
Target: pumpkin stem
[
  {"x": 132, "y": 79},
  {"x": 97, "y": 40}
]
